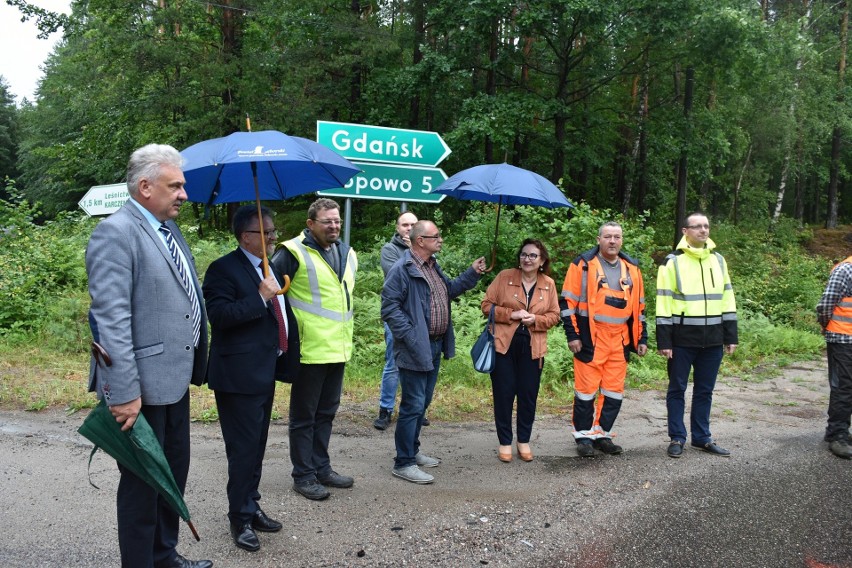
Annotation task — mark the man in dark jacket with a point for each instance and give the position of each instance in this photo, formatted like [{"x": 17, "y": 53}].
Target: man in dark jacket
[
  {"x": 391, "y": 252},
  {"x": 248, "y": 352},
  {"x": 416, "y": 306}
]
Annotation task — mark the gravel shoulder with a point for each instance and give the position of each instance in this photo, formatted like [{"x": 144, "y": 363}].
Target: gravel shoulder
[{"x": 781, "y": 500}]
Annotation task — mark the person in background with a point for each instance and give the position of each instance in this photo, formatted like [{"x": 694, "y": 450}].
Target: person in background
[
  {"x": 696, "y": 326},
  {"x": 603, "y": 313},
  {"x": 322, "y": 271},
  {"x": 834, "y": 312},
  {"x": 249, "y": 349},
  {"x": 391, "y": 252},
  {"x": 525, "y": 306},
  {"x": 147, "y": 315},
  {"x": 416, "y": 305}
]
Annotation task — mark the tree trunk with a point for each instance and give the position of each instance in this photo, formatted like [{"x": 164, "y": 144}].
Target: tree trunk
[
  {"x": 837, "y": 134},
  {"x": 680, "y": 207},
  {"x": 418, "y": 14}
]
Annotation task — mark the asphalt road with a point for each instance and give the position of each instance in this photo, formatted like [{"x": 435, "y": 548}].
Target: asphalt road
[{"x": 780, "y": 500}]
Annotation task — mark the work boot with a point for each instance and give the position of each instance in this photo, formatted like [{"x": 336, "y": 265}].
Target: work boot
[
  {"x": 585, "y": 449},
  {"x": 607, "y": 446},
  {"x": 841, "y": 448},
  {"x": 384, "y": 419}
]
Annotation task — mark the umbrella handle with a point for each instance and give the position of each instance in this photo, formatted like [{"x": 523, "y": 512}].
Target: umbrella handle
[
  {"x": 286, "y": 285},
  {"x": 493, "y": 259},
  {"x": 194, "y": 532}
]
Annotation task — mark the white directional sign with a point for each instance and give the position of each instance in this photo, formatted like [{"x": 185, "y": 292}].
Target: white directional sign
[{"x": 104, "y": 199}]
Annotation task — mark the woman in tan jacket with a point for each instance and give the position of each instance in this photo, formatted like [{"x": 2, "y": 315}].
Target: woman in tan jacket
[{"x": 526, "y": 306}]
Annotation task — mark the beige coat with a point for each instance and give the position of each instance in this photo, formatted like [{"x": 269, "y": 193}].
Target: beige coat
[{"x": 507, "y": 293}]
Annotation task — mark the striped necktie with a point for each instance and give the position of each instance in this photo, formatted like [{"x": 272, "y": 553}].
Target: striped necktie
[{"x": 185, "y": 276}]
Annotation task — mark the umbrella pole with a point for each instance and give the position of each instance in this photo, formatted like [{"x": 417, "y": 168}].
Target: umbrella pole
[
  {"x": 496, "y": 231},
  {"x": 194, "y": 532},
  {"x": 260, "y": 219}
]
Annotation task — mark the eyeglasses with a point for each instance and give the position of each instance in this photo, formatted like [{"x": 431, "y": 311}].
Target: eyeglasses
[
  {"x": 269, "y": 234},
  {"x": 705, "y": 227},
  {"x": 530, "y": 255},
  {"x": 431, "y": 237},
  {"x": 329, "y": 222}
]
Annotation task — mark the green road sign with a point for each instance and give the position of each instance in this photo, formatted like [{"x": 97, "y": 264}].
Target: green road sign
[
  {"x": 380, "y": 144},
  {"x": 392, "y": 182}
]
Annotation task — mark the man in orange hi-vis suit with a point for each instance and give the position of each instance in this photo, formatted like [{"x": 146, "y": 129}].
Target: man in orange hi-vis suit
[{"x": 603, "y": 313}]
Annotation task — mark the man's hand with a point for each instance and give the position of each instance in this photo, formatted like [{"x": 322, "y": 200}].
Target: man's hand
[
  {"x": 667, "y": 353},
  {"x": 729, "y": 349},
  {"x": 575, "y": 346},
  {"x": 642, "y": 350},
  {"x": 268, "y": 287},
  {"x": 479, "y": 265},
  {"x": 125, "y": 414}
]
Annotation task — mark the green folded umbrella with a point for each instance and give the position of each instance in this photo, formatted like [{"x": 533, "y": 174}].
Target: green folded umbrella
[{"x": 139, "y": 451}]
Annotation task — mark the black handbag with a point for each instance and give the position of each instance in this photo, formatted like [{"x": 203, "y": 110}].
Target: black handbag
[{"x": 483, "y": 352}]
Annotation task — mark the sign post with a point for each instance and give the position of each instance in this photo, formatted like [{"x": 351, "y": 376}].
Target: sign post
[{"x": 104, "y": 199}]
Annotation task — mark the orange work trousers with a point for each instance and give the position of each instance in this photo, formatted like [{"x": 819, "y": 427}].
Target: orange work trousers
[{"x": 599, "y": 384}]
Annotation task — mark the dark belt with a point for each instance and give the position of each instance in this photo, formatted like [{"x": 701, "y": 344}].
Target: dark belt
[{"x": 436, "y": 337}]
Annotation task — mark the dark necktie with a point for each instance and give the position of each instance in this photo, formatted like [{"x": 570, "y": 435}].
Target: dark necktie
[
  {"x": 279, "y": 315},
  {"x": 185, "y": 280}
]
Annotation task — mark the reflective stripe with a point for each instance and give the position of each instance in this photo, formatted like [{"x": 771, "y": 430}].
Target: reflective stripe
[
  {"x": 320, "y": 311},
  {"x": 567, "y": 313},
  {"x": 581, "y": 396},
  {"x": 584, "y": 313},
  {"x": 613, "y": 395},
  {"x": 569, "y": 295},
  {"x": 664, "y": 321},
  {"x": 729, "y": 316},
  {"x": 844, "y": 304},
  {"x": 844, "y": 319},
  {"x": 696, "y": 297},
  {"x": 663, "y": 292},
  {"x": 611, "y": 319},
  {"x": 696, "y": 320}
]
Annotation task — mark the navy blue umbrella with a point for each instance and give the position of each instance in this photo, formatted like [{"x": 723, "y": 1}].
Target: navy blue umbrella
[
  {"x": 267, "y": 165},
  {"x": 503, "y": 184}
]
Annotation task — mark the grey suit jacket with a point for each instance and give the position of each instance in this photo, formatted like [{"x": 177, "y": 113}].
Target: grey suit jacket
[{"x": 141, "y": 313}]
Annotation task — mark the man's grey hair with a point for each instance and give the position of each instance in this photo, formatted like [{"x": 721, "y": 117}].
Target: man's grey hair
[
  {"x": 147, "y": 163},
  {"x": 419, "y": 229},
  {"x": 612, "y": 224}
]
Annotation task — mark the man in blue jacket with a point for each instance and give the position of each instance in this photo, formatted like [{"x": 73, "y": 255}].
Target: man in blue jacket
[{"x": 416, "y": 307}]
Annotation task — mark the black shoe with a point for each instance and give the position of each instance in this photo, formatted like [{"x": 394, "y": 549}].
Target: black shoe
[
  {"x": 334, "y": 479},
  {"x": 260, "y": 522},
  {"x": 384, "y": 419},
  {"x": 426, "y": 421},
  {"x": 712, "y": 448},
  {"x": 675, "y": 449},
  {"x": 607, "y": 446},
  {"x": 840, "y": 448},
  {"x": 585, "y": 449},
  {"x": 312, "y": 490},
  {"x": 181, "y": 562},
  {"x": 245, "y": 537}
]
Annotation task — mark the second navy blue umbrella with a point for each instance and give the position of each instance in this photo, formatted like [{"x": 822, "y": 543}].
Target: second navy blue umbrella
[{"x": 503, "y": 184}]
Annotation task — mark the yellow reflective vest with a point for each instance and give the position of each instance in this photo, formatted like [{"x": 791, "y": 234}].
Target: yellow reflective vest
[
  {"x": 695, "y": 300},
  {"x": 322, "y": 303}
]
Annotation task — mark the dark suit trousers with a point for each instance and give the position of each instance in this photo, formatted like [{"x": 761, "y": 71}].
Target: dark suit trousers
[
  {"x": 244, "y": 419},
  {"x": 314, "y": 399},
  {"x": 147, "y": 526}
]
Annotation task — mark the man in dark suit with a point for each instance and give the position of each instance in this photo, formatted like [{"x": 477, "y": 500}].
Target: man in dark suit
[
  {"x": 147, "y": 314},
  {"x": 248, "y": 352}
]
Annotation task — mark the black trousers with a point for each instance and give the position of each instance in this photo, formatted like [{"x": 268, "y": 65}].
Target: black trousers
[
  {"x": 244, "y": 419},
  {"x": 147, "y": 526},
  {"x": 314, "y": 399},
  {"x": 515, "y": 375},
  {"x": 840, "y": 397}
]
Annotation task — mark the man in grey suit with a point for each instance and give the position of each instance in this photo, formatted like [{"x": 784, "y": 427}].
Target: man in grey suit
[{"x": 147, "y": 314}]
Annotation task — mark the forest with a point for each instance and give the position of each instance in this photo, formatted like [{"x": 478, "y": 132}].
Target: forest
[{"x": 638, "y": 110}]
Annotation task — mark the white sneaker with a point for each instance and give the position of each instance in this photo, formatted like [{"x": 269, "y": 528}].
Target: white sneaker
[
  {"x": 426, "y": 461},
  {"x": 413, "y": 474}
]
